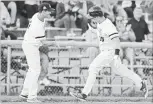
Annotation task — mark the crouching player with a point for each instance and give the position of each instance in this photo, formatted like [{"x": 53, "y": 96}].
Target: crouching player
[{"x": 33, "y": 39}]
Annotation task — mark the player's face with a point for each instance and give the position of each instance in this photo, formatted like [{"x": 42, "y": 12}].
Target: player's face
[
  {"x": 93, "y": 23},
  {"x": 96, "y": 19},
  {"x": 46, "y": 13}
]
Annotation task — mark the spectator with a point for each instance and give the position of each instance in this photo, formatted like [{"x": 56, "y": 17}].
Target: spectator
[
  {"x": 133, "y": 5},
  {"x": 138, "y": 25},
  {"x": 91, "y": 36},
  {"x": 129, "y": 7},
  {"x": 89, "y": 4},
  {"x": 4, "y": 15},
  {"x": 12, "y": 9},
  {"x": 5, "y": 21},
  {"x": 22, "y": 14},
  {"x": 118, "y": 10},
  {"x": 20, "y": 6},
  {"x": 23, "y": 19},
  {"x": 126, "y": 35},
  {"x": 81, "y": 20},
  {"x": 147, "y": 7},
  {"x": 72, "y": 14},
  {"x": 31, "y": 6},
  {"x": 65, "y": 18},
  {"x": 8, "y": 35},
  {"x": 107, "y": 7}
]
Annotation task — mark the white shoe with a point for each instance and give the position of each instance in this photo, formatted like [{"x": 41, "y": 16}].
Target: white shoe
[
  {"x": 71, "y": 34},
  {"x": 79, "y": 96},
  {"x": 34, "y": 100},
  {"x": 45, "y": 82}
]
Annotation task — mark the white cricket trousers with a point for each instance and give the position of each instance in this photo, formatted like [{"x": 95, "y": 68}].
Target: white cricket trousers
[
  {"x": 30, "y": 86},
  {"x": 106, "y": 57}
]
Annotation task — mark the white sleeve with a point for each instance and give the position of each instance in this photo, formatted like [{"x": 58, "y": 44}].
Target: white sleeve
[{"x": 112, "y": 31}]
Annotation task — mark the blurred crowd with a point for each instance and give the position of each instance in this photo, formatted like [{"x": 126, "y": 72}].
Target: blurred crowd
[
  {"x": 131, "y": 19},
  {"x": 72, "y": 14}
]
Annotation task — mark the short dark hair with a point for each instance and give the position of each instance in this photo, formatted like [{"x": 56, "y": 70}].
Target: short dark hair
[{"x": 44, "y": 6}]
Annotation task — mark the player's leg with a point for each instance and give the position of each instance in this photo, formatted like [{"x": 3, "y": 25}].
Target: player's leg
[
  {"x": 129, "y": 54},
  {"x": 122, "y": 70},
  {"x": 92, "y": 52},
  {"x": 25, "y": 89},
  {"x": 31, "y": 80},
  {"x": 101, "y": 60},
  {"x": 44, "y": 69}
]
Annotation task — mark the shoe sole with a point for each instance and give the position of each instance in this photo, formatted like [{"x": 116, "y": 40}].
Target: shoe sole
[
  {"x": 77, "y": 97},
  {"x": 34, "y": 101},
  {"x": 23, "y": 97}
]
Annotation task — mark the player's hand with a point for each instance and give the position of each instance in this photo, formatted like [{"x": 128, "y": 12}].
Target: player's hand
[
  {"x": 117, "y": 61},
  {"x": 75, "y": 9},
  {"x": 56, "y": 44},
  {"x": 116, "y": 57}
]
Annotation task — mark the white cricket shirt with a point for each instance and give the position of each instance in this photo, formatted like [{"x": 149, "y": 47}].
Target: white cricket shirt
[
  {"x": 35, "y": 31},
  {"x": 106, "y": 31}
]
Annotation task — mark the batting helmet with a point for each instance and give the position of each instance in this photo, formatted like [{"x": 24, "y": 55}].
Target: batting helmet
[{"x": 95, "y": 11}]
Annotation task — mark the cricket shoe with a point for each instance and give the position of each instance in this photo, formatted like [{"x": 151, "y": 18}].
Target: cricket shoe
[
  {"x": 23, "y": 96},
  {"x": 79, "y": 96},
  {"x": 144, "y": 88},
  {"x": 34, "y": 100},
  {"x": 45, "y": 82}
]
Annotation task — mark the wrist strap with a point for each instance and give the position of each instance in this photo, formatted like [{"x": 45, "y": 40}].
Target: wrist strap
[{"x": 117, "y": 51}]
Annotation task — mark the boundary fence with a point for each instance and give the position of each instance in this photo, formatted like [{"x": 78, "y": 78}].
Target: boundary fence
[{"x": 16, "y": 44}]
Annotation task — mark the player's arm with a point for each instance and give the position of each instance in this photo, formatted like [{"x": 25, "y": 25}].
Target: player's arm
[
  {"x": 116, "y": 42},
  {"x": 115, "y": 39},
  {"x": 114, "y": 36}
]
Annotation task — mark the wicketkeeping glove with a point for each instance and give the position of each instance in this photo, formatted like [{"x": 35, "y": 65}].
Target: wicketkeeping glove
[{"x": 44, "y": 49}]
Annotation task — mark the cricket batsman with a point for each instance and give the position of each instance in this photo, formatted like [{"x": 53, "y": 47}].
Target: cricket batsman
[{"x": 109, "y": 45}]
